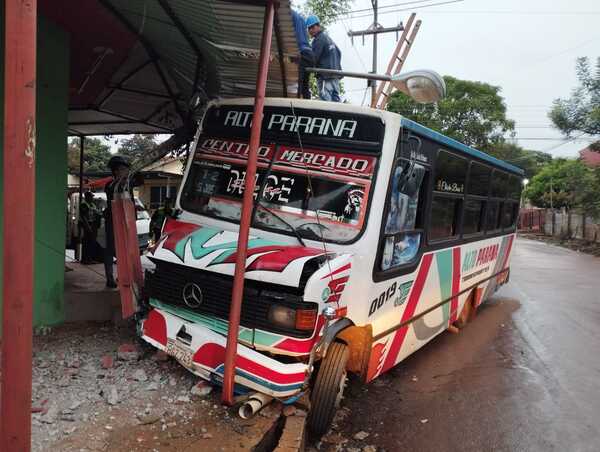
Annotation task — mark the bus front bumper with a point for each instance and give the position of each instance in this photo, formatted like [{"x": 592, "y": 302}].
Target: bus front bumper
[{"x": 202, "y": 351}]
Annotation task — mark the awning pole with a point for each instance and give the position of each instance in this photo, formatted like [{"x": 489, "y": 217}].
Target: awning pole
[
  {"x": 249, "y": 184},
  {"x": 79, "y": 231},
  {"x": 18, "y": 221}
]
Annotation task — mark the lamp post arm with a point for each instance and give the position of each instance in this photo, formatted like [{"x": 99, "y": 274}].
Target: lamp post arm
[{"x": 365, "y": 75}]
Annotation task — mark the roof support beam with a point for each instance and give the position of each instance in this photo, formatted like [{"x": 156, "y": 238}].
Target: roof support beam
[
  {"x": 134, "y": 120},
  {"x": 235, "y": 308},
  {"x": 280, "y": 53},
  {"x": 20, "y": 33},
  {"x": 188, "y": 37},
  {"x": 139, "y": 91},
  {"x": 151, "y": 53}
]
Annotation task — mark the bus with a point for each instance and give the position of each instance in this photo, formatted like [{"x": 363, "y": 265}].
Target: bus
[{"x": 370, "y": 235}]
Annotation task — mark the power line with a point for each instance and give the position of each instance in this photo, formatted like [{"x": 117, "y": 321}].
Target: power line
[
  {"x": 410, "y": 9},
  {"x": 561, "y": 144},
  {"x": 388, "y": 6},
  {"x": 362, "y": 63}
]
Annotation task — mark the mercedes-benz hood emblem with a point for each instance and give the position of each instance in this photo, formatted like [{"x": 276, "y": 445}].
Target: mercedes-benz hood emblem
[{"x": 192, "y": 295}]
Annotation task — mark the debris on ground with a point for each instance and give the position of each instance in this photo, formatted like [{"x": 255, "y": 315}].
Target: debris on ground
[
  {"x": 201, "y": 389},
  {"x": 97, "y": 387},
  {"x": 360, "y": 436}
]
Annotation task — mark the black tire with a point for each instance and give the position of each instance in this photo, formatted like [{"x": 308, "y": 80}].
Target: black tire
[{"x": 328, "y": 389}]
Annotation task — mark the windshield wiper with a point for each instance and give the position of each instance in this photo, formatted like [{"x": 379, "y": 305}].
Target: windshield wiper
[
  {"x": 288, "y": 224},
  {"x": 258, "y": 200}
]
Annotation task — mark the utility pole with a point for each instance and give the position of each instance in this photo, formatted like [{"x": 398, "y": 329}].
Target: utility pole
[
  {"x": 373, "y": 82},
  {"x": 374, "y": 29}
]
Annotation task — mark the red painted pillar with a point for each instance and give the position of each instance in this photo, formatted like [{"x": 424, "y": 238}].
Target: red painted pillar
[
  {"x": 18, "y": 218},
  {"x": 240, "y": 262}
]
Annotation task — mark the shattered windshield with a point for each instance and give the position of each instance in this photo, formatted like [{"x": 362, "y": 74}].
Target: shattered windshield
[{"x": 320, "y": 193}]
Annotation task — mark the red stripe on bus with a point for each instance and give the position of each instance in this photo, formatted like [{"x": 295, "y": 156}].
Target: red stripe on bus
[
  {"x": 339, "y": 270},
  {"x": 507, "y": 252},
  {"x": 455, "y": 283},
  {"x": 411, "y": 306}
]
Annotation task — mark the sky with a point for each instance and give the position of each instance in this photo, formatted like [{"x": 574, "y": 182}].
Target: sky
[{"x": 528, "y": 48}]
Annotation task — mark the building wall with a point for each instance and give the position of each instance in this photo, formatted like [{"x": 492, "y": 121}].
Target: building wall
[{"x": 51, "y": 169}]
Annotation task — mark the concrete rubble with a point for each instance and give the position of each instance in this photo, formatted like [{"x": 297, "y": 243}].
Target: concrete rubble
[{"x": 97, "y": 388}]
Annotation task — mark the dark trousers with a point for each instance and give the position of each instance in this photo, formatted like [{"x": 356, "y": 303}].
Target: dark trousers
[
  {"x": 307, "y": 59},
  {"x": 109, "y": 253},
  {"x": 89, "y": 250}
]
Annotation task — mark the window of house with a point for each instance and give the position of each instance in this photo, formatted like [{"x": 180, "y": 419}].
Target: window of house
[
  {"x": 473, "y": 216},
  {"x": 159, "y": 194},
  {"x": 445, "y": 212}
]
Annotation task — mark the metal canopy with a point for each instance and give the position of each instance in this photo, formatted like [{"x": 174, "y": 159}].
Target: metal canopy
[{"x": 150, "y": 66}]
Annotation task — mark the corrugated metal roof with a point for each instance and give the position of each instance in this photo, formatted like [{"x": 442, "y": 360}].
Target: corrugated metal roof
[{"x": 188, "y": 50}]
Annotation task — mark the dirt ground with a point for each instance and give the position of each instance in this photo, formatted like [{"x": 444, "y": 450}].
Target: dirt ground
[{"x": 89, "y": 397}]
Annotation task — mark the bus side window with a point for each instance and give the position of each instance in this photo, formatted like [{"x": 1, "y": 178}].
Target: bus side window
[
  {"x": 448, "y": 196},
  {"x": 401, "y": 240}
]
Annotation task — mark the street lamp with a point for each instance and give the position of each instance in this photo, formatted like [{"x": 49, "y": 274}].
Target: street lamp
[{"x": 423, "y": 86}]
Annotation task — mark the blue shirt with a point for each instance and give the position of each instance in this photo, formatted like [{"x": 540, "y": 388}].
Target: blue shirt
[
  {"x": 327, "y": 54},
  {"x": 300, "y": 30}
]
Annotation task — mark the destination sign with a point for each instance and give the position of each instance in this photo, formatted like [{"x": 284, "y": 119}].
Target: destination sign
[
  {"x": 281, "y": 122},
  {"x": 358, "y": 165}
]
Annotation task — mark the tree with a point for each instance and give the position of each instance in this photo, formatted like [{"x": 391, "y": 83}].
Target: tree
[
  {"x": 473, "y": 113},
  {"x": 530, "y": 161},
  {"x": 581, "y": 112},
  {"x": 327, "y": 10},
  {"x": 137, "y": 146},
  {"x": 566, "y": 183},
  {"x": 95, "y": 156}
]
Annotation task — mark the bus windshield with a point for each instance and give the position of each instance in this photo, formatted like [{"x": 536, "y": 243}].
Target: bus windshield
[{"x": 321, "y": 194}]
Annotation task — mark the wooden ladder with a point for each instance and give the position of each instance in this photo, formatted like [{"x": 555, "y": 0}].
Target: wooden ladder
[{"x": 384, "y": 89}]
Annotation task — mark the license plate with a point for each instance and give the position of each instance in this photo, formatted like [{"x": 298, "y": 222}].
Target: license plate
[{"x": 180, "y": 353}]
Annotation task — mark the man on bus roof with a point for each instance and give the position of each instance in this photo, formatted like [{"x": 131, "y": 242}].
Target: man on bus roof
[
  {"x": 327, "y": 56},
  {"x": 306, "y": 59}
]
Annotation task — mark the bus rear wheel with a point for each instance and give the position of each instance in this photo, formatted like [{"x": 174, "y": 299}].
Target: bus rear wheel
[
  {"x": 467, "y": 314},
  {"x": 328, "y": 389}
]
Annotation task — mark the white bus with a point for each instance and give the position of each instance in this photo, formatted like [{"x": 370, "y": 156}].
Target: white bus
[{"x": 371, "y": 235}]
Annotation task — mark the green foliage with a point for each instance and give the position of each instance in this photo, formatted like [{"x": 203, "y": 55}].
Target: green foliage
[
  {"x": 581, "y": 112},
  {"x": 473, "y": 113},
  {"x": 327, "y": 10},
  {"x": 530, "y": 161},
  {"x": 137, "y": 146},
  {"x": 95, "y": 156},
  {"x": 566, "y": 183}
]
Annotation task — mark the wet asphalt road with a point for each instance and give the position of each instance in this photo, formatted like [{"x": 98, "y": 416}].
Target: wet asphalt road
[{"x": 523, "y": 376}]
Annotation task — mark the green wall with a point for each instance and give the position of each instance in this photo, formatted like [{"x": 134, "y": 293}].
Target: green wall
[
  {"x": 51, "y": 168},
  {"x": 51, "y": 172}
]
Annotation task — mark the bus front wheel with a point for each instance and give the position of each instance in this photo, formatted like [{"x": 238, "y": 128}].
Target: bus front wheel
[{"x": 328, "y": 389}]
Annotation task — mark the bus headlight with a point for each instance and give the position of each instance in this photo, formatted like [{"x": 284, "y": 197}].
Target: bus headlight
[
  {"x": 290, "y": 318},
  {"x": 282, "y": 316}
]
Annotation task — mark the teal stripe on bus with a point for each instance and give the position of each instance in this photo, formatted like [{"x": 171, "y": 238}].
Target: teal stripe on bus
[{"x": 457, "y": 145}]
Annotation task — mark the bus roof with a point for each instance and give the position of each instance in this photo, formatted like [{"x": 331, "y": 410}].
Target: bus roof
[
  {"x": 382, "y": 114},
  {"x": 457, "y": 145}
]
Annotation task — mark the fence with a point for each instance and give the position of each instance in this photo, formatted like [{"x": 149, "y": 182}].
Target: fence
[{"x": 560, "y": 223}]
